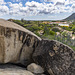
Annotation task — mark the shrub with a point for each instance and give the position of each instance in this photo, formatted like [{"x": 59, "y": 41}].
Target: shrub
[
  {"x": 56, "y": 30},
  {"x": 52, "y": 33}
]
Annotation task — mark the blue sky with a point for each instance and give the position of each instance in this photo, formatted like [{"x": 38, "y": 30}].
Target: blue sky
[{"x": 36, "y": 9}]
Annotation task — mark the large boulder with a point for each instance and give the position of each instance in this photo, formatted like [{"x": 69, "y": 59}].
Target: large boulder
[
  {"x": 13, "y": 70},
  {"x": 55, "y": 57},
  {"x": 17, "y": 44}
]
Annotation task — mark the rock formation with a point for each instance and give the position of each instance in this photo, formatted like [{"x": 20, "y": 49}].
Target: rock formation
[
  {"x": 16, "y": 43},
  {"x": 20, "y": 46},
  {"x": 37, "y": 69},
  {"x": 9, "y": 69},
  {"x": 55, "y": 57}
]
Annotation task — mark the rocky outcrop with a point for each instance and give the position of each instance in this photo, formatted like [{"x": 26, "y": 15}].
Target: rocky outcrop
[
  {"x": 17, "y": 44},
  {"x": 36, "y": 69},
  {"x": 13, "y": 70},
  {"x": 55, "y": 57},
  {"x": 20, "y": 46}
]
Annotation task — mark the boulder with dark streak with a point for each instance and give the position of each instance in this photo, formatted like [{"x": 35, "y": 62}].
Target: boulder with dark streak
[
  {"x": 17, "y": 44},
  {"x": 55, "y": 57}
]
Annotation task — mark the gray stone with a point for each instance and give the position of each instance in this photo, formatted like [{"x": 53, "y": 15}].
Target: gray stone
[
  {"x": 13, "y": 70},
  {"x": 16, "y": 43},
  {"x": 35, "y": 68},
  {"x": 55, "y": 57}
]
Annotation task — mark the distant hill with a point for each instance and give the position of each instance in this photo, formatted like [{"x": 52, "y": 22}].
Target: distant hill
[{"x": 71, "y": 17}]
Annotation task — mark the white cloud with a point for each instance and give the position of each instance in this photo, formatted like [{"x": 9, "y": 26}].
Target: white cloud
[
  {"x": 17, "y": 0},
  {"x": 55, "y": 1},
  {"x": 15, "y": 5},
  {"x": 67, "y": 2},
  {"x": 4, "y": 10},
  {"x": 44, "y": 8},
  {"x": 33, "y": 4},
  {"x": 36, "y": 8},
  {"x": 14, "y": 8},
  {"x": 72, "y": 1},
  {"x": 2, "y": 2},
  {"x": 73, "y": 8}
]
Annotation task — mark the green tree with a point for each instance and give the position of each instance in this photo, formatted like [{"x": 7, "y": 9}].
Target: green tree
[{"x": 73, "y": 29}]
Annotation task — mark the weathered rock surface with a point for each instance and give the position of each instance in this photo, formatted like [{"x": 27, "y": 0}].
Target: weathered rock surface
[
  {"x": 55, "y": 57},
  {"x": 35, "y": 68},
  {"x": 16, "y": 43},
  {"x": 13, "y": 70}
]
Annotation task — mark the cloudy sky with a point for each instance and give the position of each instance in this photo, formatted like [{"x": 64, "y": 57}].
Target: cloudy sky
[{"x": 36, "y": 9}]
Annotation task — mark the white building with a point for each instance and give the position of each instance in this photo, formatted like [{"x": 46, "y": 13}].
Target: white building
[{"x": 66, "y": 25}]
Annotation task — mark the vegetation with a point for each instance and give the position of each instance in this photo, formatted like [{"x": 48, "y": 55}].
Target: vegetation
[
  {"x": 50, "y": 31},
  {"x": 56, "y": 29}
]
